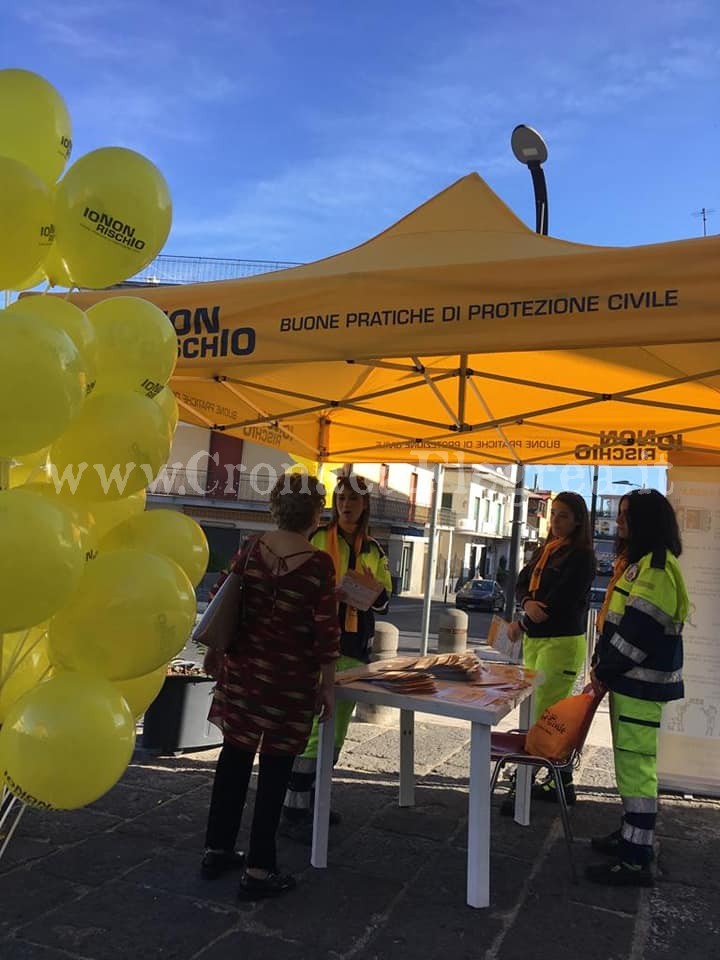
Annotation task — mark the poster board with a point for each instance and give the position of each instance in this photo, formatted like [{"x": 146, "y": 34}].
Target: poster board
[{"x": 689, "y": 747}]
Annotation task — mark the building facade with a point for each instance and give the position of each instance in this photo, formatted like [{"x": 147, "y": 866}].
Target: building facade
[{"x": 223, "y": 483}]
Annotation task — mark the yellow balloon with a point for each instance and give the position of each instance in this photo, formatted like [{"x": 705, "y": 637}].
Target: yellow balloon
[
  {"x": 140, "y": 692},
  {"x": 30, "y": 468},
  {"x": 25, "y": 215},
  {"x": 112, "y": 216},
  {"x": 34, "y": 280},
  {"x": 137, "y": 345},
  {"x": 132, "y": 612},
  {"x": 69, "y": 319},
  {"x": 109, "y": 513},
  {"x": 34, "y": 123},
  {"x": 115, "y": 447},
  {"x": 79, "y": 511},
  {"x": 24, "y": 663},
  {"x": 42, "y": 383},
  {"x": 169, "y": 406},
  {"x": 167, "y": 532},
  {"x": 41, "y": 558},
  {"x": 66, "y": 742}
]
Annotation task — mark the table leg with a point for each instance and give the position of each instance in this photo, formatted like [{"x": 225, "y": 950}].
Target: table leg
[
  {"x": 524, "y": 772},
  {"x": 407, "y": 758},
  {"x": 478, "y": 864},
  {"x": 323, "y": 784}
]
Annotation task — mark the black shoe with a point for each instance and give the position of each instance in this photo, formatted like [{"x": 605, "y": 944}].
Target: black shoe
[
  {"x": 620, "y": 874},
  {"x": 215, "y": 862},
  {"x": 274, "y": 885},
  {"x": 609, "y": 845},
  {"x": 546, "y": 792}
]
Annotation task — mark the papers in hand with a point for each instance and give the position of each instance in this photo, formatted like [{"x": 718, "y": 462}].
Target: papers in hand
[
  {"x": 499, "y": 639},
  {"x": 359, "y": 589}
]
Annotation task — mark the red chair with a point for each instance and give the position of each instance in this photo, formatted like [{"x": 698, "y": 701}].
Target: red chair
[{"x": 510, "y": 748}]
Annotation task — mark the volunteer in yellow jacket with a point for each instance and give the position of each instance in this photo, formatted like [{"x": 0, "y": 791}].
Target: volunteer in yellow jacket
[
  {"x": 347, "y": 541},
  {"x": 553, "y": 591},
  {"x": 639, "y": 659}
]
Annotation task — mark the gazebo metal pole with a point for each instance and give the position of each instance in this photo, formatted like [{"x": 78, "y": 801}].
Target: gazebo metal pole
[{"x": 431, "y": 557}]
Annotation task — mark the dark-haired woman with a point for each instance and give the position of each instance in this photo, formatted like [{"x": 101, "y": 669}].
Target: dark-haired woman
[
  {"x": 270, "y": 687},
  {"x": 639, "y": 659},
  {"x": 348, "y": 542},
  {"x": 553, "y": 591}
]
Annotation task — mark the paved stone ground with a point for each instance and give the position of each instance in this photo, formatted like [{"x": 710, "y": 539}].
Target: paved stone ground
[{"x": 119, "y": 880}]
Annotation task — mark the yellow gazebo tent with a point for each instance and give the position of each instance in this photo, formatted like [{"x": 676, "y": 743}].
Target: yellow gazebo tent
[{"x": 459, "y": 329}]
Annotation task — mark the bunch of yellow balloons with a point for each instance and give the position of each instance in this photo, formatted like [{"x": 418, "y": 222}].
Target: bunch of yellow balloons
[
  {"x": 96, "y": 593},
  {"x": 105, "y": 220}
]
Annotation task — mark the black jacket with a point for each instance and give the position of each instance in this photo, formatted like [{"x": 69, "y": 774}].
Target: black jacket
[{"x": 564, "y": 588}]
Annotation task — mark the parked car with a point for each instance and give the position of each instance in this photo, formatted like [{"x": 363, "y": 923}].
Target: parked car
[
  {"x": 480, "y": 594},
  {"x": 605, "y": 564}
]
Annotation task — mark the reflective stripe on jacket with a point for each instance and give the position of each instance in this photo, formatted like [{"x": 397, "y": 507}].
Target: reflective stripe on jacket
[{"x": 639, "y": 652}]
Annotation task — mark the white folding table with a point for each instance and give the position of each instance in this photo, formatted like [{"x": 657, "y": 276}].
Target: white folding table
[{"x": 455, "y": 699}]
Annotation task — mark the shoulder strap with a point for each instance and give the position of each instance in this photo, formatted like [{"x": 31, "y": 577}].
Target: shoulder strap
[{"x": 282, "y": 561}]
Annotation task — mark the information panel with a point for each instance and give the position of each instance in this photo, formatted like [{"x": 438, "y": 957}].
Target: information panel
[{"x": 689, "y": 750}]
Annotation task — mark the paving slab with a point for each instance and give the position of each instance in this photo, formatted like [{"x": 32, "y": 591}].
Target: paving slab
[
  {"x": 418, "y": 927},
  {"x": 553, "y": 926},
  {"x": 27, "y": 893},
  {"x": 121, "y": 920},
  {"x": 15, "y": 949},
  {"x": 359, "y": 905},
  {"x": 684, "y": 922},
  {"x": 377, "y": 853}
]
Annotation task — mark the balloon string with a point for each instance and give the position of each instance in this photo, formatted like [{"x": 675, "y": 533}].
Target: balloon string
[
  {"x": 6, "y": 813},
  {"x": 16, "y": 660}
]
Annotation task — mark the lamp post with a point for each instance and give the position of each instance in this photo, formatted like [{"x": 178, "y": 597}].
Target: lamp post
[
  {"x": 628, "y": 483},
  {"x": 530, "y": 149}
]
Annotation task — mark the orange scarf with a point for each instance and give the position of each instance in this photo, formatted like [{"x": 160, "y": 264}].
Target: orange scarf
[
  {"x": 551, "y": 547},
  {"x": 619, "y": 568},
  {"x": 333, "y": 548}
]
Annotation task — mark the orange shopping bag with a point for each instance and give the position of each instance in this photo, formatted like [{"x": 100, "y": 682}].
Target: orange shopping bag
[{"x": 562, "y": 727}]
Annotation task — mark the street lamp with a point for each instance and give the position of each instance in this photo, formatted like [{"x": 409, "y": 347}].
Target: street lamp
[
  {"x": 627, "y": 483},
  {"x": 530, "y": 149}
]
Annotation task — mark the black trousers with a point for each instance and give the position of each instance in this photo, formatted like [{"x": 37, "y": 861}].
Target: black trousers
[{"x": 230, "y": 787}]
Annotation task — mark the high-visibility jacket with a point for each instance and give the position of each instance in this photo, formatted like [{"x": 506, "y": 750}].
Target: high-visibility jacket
[
  {"x": 639, "y": 652},
  {"x": 357, "y": 643}
]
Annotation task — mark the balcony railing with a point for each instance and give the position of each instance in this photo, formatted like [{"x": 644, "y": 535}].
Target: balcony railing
[{"x": 252, "y": 488}]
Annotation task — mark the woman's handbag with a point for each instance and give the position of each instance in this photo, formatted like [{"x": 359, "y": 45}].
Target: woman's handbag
[{"x": 220, "y": 625}]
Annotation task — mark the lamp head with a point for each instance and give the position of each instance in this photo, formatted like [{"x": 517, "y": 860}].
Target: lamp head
[{"x": 528, "y": 146}]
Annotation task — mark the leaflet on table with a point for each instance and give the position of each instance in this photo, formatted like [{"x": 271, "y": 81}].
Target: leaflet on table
[
  {"x": 360, "y": 590},
  {"x": 482, "y": 696}
]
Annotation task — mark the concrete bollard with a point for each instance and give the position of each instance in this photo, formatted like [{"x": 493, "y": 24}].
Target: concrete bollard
[
  {"x": 384, "y": 647},
  {"x": 453, "y": 631}
]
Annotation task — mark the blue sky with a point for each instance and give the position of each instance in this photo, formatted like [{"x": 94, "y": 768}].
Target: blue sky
[
  {"x": 579, "y": 478},
  {"x": 293, "y": 130}
]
